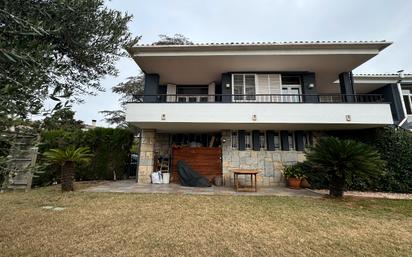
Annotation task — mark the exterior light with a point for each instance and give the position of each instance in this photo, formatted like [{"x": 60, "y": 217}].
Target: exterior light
[
  {"x": 311, "y": 85},
  {"x": 224, "y": 140},
  {"x": 227, "y": 85},
  {"x": 254, "y": 117},
  {"x": 163, "y": 117},
  {"x": 348, "y": 118}
]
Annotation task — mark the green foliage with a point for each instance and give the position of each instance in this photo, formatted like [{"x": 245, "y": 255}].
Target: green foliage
[
  {"x": 294, "y": 171},
  {"x": 62, "y": 119},
  {"x": 110, "y": 148},
  {"x": 395, "y": 147},
  {"x": 344, "y": 159},
  {"x": 70, "y": 154},
  {"x": 58, "y": 49}
]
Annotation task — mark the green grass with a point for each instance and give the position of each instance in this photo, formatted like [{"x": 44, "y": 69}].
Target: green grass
[{"x": 111, "y": 224}]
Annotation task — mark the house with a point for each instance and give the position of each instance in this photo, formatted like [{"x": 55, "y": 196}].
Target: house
[{"x": 253, "y": 105}]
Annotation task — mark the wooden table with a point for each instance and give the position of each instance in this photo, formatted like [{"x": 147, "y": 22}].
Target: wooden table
[{"x": 251, "y": 173}]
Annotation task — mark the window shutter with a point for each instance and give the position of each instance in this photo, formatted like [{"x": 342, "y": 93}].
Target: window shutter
[
  {"x": 171, "y": 90},
  {"x": 255, "y": 140},
  {"x": 270, "y": 140},
  {"x": 299, "y": 145},
  {"x": 241, "y": 137},
  {"x": 284, "y": 138}
]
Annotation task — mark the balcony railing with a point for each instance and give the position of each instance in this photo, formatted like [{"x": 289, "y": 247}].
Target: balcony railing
[{"x": 259, "y": 98}]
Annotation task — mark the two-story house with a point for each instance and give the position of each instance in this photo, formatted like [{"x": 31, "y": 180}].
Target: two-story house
[{"x": 252, "y": 105}]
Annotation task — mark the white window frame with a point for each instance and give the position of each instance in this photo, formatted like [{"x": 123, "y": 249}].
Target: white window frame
[
  {"x": 408, "y": 93},
  {"x": 264, "y": 140},
  {"x": 248, "y": 134},
  {"x": 235, "y": 139},
  {"x": 244, "y": 87}
]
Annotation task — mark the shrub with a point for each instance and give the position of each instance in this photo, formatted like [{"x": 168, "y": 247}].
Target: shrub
[
  {"x": 342, "y": 159},
  {"x": 395, "y": 147},
  {"x": 110, "y": 149}
]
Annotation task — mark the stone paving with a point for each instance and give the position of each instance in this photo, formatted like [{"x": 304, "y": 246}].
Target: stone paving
[{"x": 130, "y": 186}]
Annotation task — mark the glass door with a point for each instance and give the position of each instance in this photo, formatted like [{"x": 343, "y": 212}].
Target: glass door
[{"x": 291, "y": 93}]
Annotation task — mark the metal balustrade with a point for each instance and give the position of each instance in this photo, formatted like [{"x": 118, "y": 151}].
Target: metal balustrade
[{"x": 259, "y": 98}]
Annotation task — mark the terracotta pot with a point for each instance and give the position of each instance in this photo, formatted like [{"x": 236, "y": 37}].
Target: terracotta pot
[{"x": 294, "y": 183}]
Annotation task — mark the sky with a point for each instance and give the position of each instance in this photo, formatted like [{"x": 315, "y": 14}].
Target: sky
[{"x": 205, "y": 21}]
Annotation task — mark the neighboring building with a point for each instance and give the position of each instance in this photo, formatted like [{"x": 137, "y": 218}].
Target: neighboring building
[{"x": 252, "y": 105}]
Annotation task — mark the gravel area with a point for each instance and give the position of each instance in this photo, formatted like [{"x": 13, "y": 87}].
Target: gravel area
[{"x": 370, "y": 194}]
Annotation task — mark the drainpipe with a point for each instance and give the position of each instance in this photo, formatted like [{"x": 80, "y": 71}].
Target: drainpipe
[{"x": 401, "y": 76}]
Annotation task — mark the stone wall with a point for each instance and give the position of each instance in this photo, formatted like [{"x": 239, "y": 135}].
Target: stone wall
[
  {"x": 146, "y": 158},
  {"x": 270, "y": 163}
]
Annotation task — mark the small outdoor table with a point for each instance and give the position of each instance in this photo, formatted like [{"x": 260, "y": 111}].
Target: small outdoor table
[{"x": 251, "y": 173}]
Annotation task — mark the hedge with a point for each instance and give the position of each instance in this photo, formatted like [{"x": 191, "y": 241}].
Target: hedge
[
  {"x": 394, "y": 146},
  {"x": 110, "y": 147}
]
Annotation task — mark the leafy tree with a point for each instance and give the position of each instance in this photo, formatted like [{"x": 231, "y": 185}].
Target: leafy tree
[
  {"x": 128, "y": 90},
  {"x": 62, "y": 119},
  {"x": 343, "y": 159},
  {"x": 177, "y": 39},
  {"x": 66, "y": 159},
  {"x": 58, "y": 49},
  {"x": 134, "y": 86}
]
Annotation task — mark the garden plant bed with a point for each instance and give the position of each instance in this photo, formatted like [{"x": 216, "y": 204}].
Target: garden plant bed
[
  {"x": 119, "y": 224},
  {"x": 369, "y": 194}
]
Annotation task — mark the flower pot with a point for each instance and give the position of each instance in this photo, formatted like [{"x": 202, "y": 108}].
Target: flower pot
[
  {"x": 166, "y": 178},
  {"x": 294, "y": 183}
]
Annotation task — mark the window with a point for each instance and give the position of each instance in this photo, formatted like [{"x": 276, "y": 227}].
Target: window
[
  {"x": 248, "y": 140},
  {"x": 262, "y": 140},
  {"x": 407, "y": 98},
  {"x": 291, "y": 88},
  {"x": 235, "y": 139},
  {"x": 244, "y": 87},
  {"x": 306, "y": 140},
  {"x": 277, "y": 140},
  {"x": 291, "y": 140}
]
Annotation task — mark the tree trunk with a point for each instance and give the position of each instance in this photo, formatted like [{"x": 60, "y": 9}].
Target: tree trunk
[
  {"x": 336, "y": 186},
  {"x": 67, "y": 176}
]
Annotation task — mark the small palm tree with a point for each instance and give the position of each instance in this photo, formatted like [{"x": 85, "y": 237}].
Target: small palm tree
[
  {"x": 67, "y": 158},
  {"x": 342, "y": 159}
]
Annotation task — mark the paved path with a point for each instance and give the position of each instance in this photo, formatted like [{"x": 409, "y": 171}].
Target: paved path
[{"x": 130, "y": 186}]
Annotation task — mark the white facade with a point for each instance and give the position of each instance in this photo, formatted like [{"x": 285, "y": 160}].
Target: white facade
[{"x": 217, "y": 116}]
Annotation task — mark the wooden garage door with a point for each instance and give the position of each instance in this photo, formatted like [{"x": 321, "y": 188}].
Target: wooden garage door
[{"x": 205, "y": 160}]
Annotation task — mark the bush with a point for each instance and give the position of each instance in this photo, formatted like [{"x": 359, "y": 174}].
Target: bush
[
  {"x": 110, "y": 148},
  {"x": 395, "y": 148}
]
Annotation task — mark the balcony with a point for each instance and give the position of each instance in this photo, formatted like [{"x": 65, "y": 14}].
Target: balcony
[
  {"x": 259, "y": 98},
  {"x": 270, "y": 111}
]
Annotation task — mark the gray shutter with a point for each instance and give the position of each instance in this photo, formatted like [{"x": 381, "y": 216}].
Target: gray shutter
[
  {"x": 256, "y": 140},
  {"x": 284, "y": 140},
  {"x": 241, "y": 138},
  {"x": 270, "y": 140},
  {"x": 300, "y": 146}
]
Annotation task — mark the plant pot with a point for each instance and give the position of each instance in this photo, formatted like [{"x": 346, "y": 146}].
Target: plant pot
[
  {"x": 294, "y": 183},
  {"x": 166, "y": 178}
]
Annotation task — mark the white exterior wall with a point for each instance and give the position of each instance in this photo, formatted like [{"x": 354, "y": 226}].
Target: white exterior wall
[{"x": 243, "y": 113}]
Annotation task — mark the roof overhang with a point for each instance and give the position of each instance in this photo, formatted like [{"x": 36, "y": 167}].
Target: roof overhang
[
  {"x": 203, "y": 64},
  {"x": 365, "y": 83}
]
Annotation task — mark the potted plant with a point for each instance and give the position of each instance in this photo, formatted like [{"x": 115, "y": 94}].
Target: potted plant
[{"x": 294, "y": 176}]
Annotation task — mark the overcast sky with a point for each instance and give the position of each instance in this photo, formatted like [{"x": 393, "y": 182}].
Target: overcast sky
[{"x": 263, "y": 20}]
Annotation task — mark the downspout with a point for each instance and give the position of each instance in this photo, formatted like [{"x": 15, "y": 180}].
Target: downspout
[{"x": 401, "y": 76}]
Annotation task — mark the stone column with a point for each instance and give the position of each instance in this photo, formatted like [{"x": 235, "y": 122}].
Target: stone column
[{"x": 146, "y": 157}]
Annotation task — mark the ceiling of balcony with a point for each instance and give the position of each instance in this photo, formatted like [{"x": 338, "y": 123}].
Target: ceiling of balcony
[{"x": 191, "y": 65}]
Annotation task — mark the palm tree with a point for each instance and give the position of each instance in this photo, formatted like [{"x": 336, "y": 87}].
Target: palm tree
[
  {"x": 67, "y": 158},
  {"x": 343, "y": 159}
]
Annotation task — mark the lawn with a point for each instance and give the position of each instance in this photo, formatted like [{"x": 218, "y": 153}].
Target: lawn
[{"x": 111, "y": 224}]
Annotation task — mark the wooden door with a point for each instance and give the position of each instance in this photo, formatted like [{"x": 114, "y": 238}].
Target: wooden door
[{"x": 204, "y": 160}]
